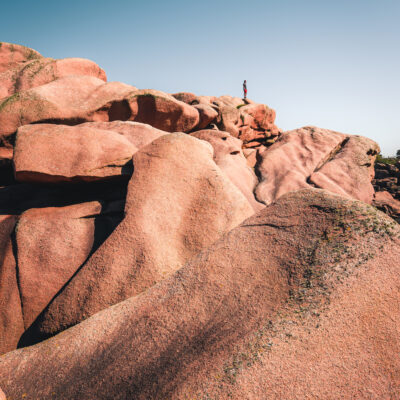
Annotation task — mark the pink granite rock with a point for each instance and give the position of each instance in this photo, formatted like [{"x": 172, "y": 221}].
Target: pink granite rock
[
  {"x": 350, "y": 170},
  {"x": 269, "y": 299},
  {"x": 138, "y": 134},
  {"x": 40, "y": 71},
  {"x": 58, "y": 153},
  {"x": 287, "y": 164},
  {"x": 11, "y": 320},
  {"x": 229, "y": 157},
  {"x": 178, "y": 203},
  {"x": 12, "y": 55}
]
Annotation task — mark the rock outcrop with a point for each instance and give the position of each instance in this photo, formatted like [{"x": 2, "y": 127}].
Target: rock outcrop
[
  {"x": 314, "y": 157},
  {"x": 296, "y": 304},
  {"x": 178, "y": 203},
  {"x": 181, "y": 246},
  {"x": 51, "y": 153},
  {"x": 40, "y": 71}
]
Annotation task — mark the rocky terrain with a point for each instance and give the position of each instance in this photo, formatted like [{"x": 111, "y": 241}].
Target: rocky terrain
[{"x": 175, "y": 246}]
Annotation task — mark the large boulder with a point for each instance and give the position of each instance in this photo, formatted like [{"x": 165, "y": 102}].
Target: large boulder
[
  {"x": 162, "y": 111},
  {"x": 138, "y": 134},
  {"x": 178, "y": 203},
  {"x": 76, "y": 99},
  {"x": 384, "y": 201},
  {"x": 349, "y": 171},
  {"x": 12, "y": 55},
  {"x": 52, "y": 244},
  {"x": 315, "y": 157},
  {"x": 59, "y": 153},
  {"x": 229, "y": 157},
  {"x": 287, "y": 305},
  {"x": 44, "y": 70},
  {"x": 11, "y": 320},
  {"x": 69, "y": 100}
]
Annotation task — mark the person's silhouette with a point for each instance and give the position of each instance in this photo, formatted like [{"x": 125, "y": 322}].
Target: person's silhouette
[{"x": 245, "y": 89}]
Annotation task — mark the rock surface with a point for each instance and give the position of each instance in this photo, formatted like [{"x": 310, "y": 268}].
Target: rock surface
[
  {"x": 11, "y": 320},
  {"x": 229, "y": 157},
  {"x": 296, "y": 304},
  {"x": 178, "y": 203},
  {"x": 12, "y": 55},
  {"x": 48, "y": 153},
  {"x": 138, "y": 134},
  {"x": 176, "y": 246},
  {"x": 317, "y": 157},
  {"x": 52, "y": 244},
  {"x": 384, "y": 201},
  {"x": 44, "y": 70}
]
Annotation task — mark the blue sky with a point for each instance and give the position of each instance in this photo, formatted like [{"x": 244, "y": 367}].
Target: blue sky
[{"x": 333, "y": 64}]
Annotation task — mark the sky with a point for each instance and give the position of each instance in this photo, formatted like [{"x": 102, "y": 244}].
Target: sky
[{"x": 332, "y": 64}]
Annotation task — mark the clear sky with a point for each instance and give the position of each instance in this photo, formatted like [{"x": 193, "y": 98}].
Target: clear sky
[{"x": 333, "y": 64}]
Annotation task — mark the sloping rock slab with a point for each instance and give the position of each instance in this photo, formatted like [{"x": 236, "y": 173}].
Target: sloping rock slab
[
  {"x": 52, "y": 243},
  {"x": 270, "y": 290},
  {"x": 229, "y": 157},
  {"x": 288, "y": 164},
  {"x": 138, "y": 134},
  {"x": 350, "y": 171},
  {"x": 45, "y": 70},
  {"x": 57, "y": 153},
  {"x": 11, "y": 320},
  {"x": 12, "y": 55}
]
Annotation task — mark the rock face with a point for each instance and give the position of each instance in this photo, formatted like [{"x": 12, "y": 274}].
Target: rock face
[
  {"x": 51, "y": 154},
  {"x": 69, "y": 100},
  {"x": 178, "y": 203},
  {"x": 181, "y": 247},
  {"x": 295, "y": 304},
  {"x": 317, "y": 157},
  {"x": 137, "y": 133},
  {"x": 387, "y": 178},
  {"x": 229, "y": 157},
  {"x": 12, "y": 55},
  {"x": 384, "y": 201},
  {"x": 52, "y": 243},
  {"x": 11, "y": 320},
  {"x": 40, "y": 71}
]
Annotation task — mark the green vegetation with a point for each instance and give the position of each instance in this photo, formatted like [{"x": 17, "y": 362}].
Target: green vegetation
[
  {"x": 9, "y": 100},
  {"x": 386, "y": 160},
  {"x": 240, "y": 106}
]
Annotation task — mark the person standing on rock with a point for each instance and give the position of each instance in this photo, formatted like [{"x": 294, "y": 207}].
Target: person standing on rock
[{"x": 245, "y": 89}]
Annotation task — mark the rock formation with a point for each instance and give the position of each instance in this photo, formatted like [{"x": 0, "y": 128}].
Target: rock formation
[{"x": 175, "y": 246}]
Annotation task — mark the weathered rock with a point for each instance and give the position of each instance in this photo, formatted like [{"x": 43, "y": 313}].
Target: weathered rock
[
  {"x": 69, "y": 100},
  {"x": 2, "y": 395},
  {"x": 229, "y": 157},
  {"x": 138, "y": 134},
  {"x": 385, "y": 202},
  {"x": 287, "y": 165},
  {"x": 207, "y": 115},
  {"x": 270, "y": 290},
  {"x": 11, "y": 321},
  {"x": 12, "y": 55},
  {"x": 186, "y": 97},
  {"x": 45, "y": 70},
  {"x": 349, "y": 171},
  {"x": 52, "y": 244},
  {"x": 59, "y": 153},
  {"x": 178, "y": 203},
  {"x": 162, "y": 111}
]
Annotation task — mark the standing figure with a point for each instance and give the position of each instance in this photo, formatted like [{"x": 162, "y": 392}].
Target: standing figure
[{"x": 245, "y": 89}]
